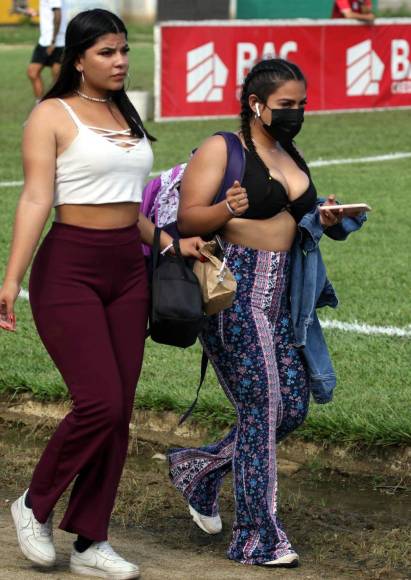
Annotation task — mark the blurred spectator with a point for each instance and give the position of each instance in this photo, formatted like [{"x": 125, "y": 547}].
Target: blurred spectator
[
  {"x": 22, "y": 7},
  {"x": 358, "y": 9},
  {"x": 49, "y": 49}
]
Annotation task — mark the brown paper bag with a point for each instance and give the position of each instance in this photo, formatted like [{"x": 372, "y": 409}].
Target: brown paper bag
[{"x": 218, "y": 285}]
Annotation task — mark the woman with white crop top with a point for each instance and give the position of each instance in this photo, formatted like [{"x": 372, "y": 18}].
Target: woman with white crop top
[{"x": 85, "y": 152}]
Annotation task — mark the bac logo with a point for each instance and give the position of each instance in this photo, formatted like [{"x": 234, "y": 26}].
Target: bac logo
[
  {"x": 206, "y": 75},
  {"x": 364, "y": 70}
]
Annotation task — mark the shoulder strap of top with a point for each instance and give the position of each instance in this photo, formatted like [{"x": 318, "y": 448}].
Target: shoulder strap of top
[{"x": 72, "y": 114}]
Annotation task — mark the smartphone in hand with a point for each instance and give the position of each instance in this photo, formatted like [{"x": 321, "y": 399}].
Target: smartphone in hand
[{"x": 348, "y": 209}]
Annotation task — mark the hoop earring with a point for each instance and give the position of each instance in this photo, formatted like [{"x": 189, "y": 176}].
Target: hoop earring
[{"x": 83, "y": 80}]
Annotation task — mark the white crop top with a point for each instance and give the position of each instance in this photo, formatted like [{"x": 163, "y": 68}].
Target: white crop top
[{"x": 101, "y": 166}]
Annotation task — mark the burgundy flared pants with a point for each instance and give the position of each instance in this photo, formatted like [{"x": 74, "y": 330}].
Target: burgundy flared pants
[{"x": 89, "y": 297}]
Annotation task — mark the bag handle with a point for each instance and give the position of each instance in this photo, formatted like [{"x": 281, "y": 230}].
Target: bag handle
[
  {"x": 180, "y": 259},
  {"x": 156, "y": 247},
  {"x": 204, "y": 364},
  {"x": 176, "y": 246}
]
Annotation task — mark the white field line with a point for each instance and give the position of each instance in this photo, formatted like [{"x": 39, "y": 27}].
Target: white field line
[
  {"x": 362, "y": 328},
  {"x": 317, "y": 163},
  {"x": 349, "y": 161},
  {"x": 357, "y": 327},
  {"x": 11, "y": 183}
]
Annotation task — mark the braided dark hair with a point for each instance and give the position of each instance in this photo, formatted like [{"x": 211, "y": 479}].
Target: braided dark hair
[{"x": 265, "y": 78}]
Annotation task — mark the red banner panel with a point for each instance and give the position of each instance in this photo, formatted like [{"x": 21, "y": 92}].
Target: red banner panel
[{"x": 200, "y": 66}]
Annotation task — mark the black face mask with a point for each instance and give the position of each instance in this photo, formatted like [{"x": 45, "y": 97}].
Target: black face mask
[{"x": 285, "y": 123}]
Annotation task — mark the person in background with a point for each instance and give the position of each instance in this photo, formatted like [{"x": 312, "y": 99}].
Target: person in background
[
  {"x": 358, "y": 9},
  {"x": 22, "y": 7},
  {"x": 49, "y": 49}
]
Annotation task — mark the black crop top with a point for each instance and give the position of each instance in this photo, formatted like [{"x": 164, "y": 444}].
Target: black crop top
[{"x": 268, "y": 197}]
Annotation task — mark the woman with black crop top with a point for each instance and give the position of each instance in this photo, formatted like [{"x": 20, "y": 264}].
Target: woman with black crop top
[
  {"x": 251, "y": 344},
  {"x": 87, "y": 153}
]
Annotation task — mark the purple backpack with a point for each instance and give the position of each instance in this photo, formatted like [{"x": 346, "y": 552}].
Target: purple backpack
[{"x": 161, "y": 195}]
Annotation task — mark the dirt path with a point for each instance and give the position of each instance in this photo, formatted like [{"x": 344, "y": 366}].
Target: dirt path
[{"x": 342, "y": 527}]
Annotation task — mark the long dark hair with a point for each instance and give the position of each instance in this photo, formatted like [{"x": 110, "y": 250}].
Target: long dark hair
[
  {"x": 265, "y": 78},
  {"x": 82, "y": 32}
]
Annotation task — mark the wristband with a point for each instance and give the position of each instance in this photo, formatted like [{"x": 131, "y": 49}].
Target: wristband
[
  {"x": 163, "y": 252},
  {"x": 230, "y": 209}
]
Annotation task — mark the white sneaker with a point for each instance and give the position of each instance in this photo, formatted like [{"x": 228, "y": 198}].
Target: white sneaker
[
  {"x": 287, "y": 561},
  {"x": 102, "y": 561},
  {"x": 35, "y": 539},
  {"x": 209, "y": 524}
]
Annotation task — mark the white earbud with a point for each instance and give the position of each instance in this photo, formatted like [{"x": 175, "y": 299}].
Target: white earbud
[{"x": 257, "y": 107}]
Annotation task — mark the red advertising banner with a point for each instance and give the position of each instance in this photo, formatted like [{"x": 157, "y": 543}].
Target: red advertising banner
[{"x": 200, "y": 66}]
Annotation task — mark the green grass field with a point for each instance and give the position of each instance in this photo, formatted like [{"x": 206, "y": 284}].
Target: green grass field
[{"x": 371, "y": 271}]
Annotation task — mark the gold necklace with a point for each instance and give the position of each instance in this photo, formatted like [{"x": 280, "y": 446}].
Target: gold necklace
[{"x": 94, "y": 99}]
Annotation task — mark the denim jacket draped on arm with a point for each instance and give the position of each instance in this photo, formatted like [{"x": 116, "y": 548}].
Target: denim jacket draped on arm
[{"x": 311, "y": 289}]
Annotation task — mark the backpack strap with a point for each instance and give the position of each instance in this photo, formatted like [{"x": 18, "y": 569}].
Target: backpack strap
[
  {"x": 235, "y": 163},
  {"x": 234, "y": 171},
  {"x": 149, "y": 193}
]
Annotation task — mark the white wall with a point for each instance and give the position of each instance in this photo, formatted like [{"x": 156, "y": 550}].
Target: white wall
[
  {"x": 76, "y": 6},
  {"x": 142, "y": 10}
]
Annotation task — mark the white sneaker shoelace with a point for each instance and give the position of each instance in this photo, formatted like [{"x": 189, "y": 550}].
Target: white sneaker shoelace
[
  {"x": 106, "y": 549},
  {"x": 43, "y": 530}
]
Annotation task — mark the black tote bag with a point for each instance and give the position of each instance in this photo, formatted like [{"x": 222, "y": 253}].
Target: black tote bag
[{"x": 176, "y": 314}]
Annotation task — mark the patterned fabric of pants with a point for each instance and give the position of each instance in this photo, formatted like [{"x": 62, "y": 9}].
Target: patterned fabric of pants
[{"x": 251, "y": 349}]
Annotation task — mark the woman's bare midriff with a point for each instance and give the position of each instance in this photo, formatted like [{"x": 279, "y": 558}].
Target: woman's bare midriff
[
  {"x": 102, "y": 217},
  {"x": 275, "y": 234}
]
